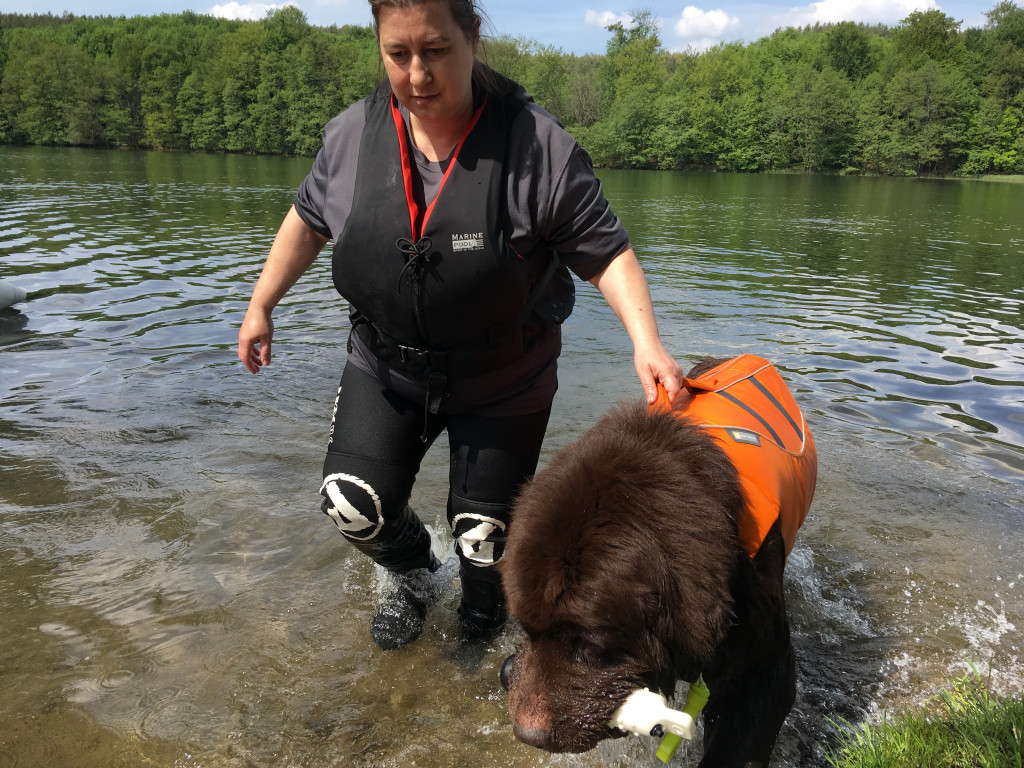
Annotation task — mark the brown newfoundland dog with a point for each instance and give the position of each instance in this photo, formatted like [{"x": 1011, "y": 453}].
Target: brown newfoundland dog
[{"x": 652, "y": 551}]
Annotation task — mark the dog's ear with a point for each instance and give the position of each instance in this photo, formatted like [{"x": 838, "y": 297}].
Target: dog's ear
[
  {"x": 687, "y": 628},
  {"x": 657, "y": 626}
]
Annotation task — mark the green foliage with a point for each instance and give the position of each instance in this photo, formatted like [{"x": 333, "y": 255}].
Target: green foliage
[
  {"x": 922, "y": 97},
  {"x": 850, "y": 50},
  {"x": 184, "y": 81},
  {"x": 917, "y": 122},
  {"x": 49, "y": 94},
  {"x": 508, "y": 55},
  {"x": 966, "y": 727},
  {"x": 632, "y": 75},
  {"x": 816, "y": 119},
  {"x": 928, "y": 35},
  {"x": 995, "y": 140}
]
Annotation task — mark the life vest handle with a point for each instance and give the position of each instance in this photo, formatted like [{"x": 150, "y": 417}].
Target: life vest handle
[{"x": 661, "y": 402}]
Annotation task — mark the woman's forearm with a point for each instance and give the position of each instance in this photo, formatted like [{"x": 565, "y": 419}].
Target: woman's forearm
[
  {"x": 624, "y": 287},
  {"x": 294, "y": 249}
]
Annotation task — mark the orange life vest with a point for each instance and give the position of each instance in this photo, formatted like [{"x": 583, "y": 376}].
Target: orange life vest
[{"x": 747, "y": 406}]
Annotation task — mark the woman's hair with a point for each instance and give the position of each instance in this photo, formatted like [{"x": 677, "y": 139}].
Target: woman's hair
[
  {"x": 467, "y": 16},
  {"x": 465, "y": 13}
]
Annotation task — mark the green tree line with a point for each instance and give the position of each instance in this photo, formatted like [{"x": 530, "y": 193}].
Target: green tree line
[
  {"x": 183, "y": 82},
  {"x": 924, "y": 96}
]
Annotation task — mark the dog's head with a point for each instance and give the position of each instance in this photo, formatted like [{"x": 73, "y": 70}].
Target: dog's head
[{"x": 617, "y": 568}]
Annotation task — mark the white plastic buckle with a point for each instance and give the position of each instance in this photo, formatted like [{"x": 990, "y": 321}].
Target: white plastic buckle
[{"x": 644, "y": 710}]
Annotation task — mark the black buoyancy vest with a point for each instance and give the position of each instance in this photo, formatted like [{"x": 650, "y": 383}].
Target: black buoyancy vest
[{"x": 456, "y": 285}]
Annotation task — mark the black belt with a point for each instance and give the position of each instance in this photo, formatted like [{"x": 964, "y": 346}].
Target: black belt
[
  {"x": 437, "y": 366},
  {"x": 488, "y": 353}
]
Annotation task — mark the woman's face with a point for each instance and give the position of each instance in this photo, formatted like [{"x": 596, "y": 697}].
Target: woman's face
[{"x": 429, "y": 61}]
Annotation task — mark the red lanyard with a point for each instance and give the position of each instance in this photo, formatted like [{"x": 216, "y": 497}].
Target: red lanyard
[{"x": 403, "y": 141}]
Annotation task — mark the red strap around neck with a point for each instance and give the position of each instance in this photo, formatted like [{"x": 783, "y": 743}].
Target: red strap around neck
[{"x": 407, "y": 175}]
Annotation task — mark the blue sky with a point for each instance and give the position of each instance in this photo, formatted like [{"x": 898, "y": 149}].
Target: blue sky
[{"x": 574, "y": 26}]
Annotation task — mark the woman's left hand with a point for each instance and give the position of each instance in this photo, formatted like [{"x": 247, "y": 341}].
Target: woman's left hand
[{"x": 654, "y": 366}]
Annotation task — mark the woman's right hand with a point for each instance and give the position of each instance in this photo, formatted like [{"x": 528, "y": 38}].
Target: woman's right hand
[
  {"x": 295, "y": 247},
  {"x": 254, "y": 339}
]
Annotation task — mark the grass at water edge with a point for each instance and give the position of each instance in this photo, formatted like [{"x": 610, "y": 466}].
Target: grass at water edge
[{"x": 965, "y": 726}]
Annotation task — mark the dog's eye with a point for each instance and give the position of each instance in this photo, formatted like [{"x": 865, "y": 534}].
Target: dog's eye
[{"x": 584, "y": 652}]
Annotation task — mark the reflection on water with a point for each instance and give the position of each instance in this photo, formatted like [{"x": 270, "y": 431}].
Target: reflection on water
[{"x": 172, "y": 596}]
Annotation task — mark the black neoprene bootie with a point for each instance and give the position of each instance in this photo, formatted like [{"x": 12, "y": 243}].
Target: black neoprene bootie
[
  {"x": 402, "y": 549},
  {"x": 482, "y": 612},
  {"x": 399, "y": 620}
]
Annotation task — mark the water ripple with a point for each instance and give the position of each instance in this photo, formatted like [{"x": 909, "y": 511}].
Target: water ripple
[{"x": 166, "y": 566}]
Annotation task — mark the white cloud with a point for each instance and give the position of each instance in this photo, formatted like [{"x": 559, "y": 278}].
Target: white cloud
[
  {"x": 607, "y": 18},
  {"x": 697, "y": 23},
  {"x": 250, "y": 11},
  {"x": 701, "y": 29},
  {"x": 867, "y": 11}
]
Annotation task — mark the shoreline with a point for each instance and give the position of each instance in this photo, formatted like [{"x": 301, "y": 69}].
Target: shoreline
[{"x": 1009, "y": 178}]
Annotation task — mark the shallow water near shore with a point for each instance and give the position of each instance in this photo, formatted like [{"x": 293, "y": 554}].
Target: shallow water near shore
[{"x": 172, "y": 595}]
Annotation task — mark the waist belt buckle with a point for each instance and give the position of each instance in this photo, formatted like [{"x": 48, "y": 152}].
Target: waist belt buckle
[{"x": 413, "y": 356}]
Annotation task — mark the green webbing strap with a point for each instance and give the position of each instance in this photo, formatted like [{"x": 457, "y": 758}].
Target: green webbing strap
[{"x": 696, "y": 699}]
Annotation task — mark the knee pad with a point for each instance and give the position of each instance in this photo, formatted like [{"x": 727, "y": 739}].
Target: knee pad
[
  {"x": 354, "y": 506},
  {"x": 479, "y": 530},
  {"x": 398, "y": 541},
  {"x": 362, "y": 495}
]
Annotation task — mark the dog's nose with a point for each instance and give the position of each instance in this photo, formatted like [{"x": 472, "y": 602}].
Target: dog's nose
[
  {"x": 506, "y": 670},
  {"x": 535, "y": 737}
]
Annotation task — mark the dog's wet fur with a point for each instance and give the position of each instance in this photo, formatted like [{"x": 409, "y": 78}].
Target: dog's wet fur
[{"x": 624, "y": 569}]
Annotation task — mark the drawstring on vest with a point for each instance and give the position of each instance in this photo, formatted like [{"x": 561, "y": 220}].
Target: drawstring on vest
[
  {"x": 417, "y": 262},
  {"x": 417, "y": 265}
]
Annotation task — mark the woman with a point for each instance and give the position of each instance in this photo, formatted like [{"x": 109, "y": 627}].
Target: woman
[{"x": 455, "y": 206}]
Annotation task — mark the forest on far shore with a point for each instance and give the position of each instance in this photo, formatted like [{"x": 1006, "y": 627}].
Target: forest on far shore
[{"x": 924, "y": 96}]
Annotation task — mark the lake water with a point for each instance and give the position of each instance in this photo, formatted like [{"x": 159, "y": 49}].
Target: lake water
[{"x": 172, "y": 596}]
